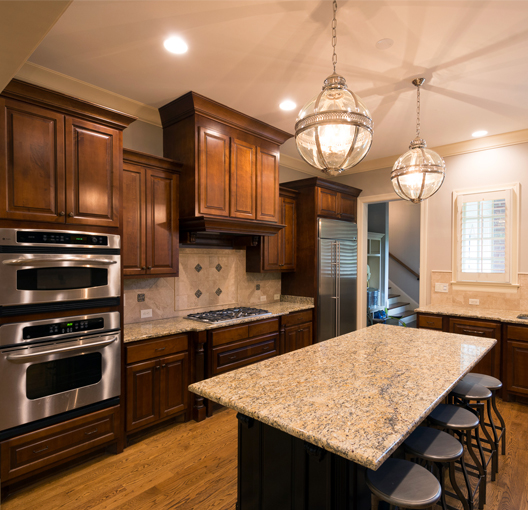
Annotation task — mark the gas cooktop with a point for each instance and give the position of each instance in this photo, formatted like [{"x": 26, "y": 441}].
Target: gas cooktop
[{"x": 228, "y": 314}]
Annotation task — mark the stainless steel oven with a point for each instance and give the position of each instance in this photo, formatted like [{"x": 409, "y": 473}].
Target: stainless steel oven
[
  {"x": 53, "y": 366},
  {"x": 39, "y": 267}
]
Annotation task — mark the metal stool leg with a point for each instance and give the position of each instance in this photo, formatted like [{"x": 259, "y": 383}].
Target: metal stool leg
[
  {"x": 503, "y": 425},
  {"x": 495, "y": 463},
  {"x": 441, "y": 477},
  {"x": 454, "y": 484},
  {"x": 478, "y": 465}
]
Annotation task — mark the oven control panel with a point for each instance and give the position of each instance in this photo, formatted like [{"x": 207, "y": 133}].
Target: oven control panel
[
  {"x": 57, "y": 237},
  {"x": 60, "y": 328}
]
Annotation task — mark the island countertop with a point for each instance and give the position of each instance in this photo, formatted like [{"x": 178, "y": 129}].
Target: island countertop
[{"x": 358, "y": 395}]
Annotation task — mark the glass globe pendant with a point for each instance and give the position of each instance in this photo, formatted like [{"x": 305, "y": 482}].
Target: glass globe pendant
[
  {"x": 334, "y": 130},
  {"x": 419, "y": 173}
]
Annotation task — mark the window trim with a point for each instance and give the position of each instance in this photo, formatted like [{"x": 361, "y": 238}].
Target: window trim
[{"x": 513, "y": 262}]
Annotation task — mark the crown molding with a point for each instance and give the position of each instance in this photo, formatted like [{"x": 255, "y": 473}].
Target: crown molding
[
  {"x": 453, "y": 149},
  {"x": 47, "y": 78}
]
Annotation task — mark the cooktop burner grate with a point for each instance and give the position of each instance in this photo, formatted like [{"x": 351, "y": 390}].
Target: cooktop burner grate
[{"x": 228, "y": 314}]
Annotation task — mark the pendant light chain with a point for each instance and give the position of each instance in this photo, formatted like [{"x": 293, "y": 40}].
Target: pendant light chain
[
  {"x": 418, "y": 112},
  {"x": 334, "y": 37}
]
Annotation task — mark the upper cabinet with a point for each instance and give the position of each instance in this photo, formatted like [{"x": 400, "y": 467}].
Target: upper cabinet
[
  {"x": 230, "y": 174},
  {"x": 336, "y": 204},
  {"x": 150, "y": 215},
  {"x": 60, "y": 158}
]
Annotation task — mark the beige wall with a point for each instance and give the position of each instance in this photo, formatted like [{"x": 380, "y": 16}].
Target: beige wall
[
  {"x": 144, "y": 137},
  {"x": 476, "y": 169}
]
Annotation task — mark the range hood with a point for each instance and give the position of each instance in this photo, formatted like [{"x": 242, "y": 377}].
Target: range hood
[{"x": 229, "y": 183}]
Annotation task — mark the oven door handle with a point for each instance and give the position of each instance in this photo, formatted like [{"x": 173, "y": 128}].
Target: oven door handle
[
  {"x": 53, "y": 262},
  {"x": 72, "y": 348}
]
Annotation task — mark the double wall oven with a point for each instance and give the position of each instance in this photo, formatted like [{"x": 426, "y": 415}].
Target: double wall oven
[{"x": 56, "y": 356}]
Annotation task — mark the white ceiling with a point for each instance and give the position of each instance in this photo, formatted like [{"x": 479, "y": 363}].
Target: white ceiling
[{"x": 251, "y": 55}]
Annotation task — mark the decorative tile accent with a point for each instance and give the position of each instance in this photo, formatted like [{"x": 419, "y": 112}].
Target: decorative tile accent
[
  {"x": 141, "y": 298},
  {"x": 198, "y": 268},
  {"x": 198, "y": 293},
  {"x": 218, "y": 291},
  {"x": 258, "y": 286},
  {"x": 218, "y": 267}
]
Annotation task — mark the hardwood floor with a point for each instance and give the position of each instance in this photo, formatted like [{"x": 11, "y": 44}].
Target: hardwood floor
[{"x": 193, "y": 466}]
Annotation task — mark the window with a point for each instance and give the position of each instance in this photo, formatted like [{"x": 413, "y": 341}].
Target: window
[{"x": 485, "y": 235}]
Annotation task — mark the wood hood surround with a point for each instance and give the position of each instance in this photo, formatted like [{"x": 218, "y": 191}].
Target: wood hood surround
[{"x": 230, "y": 175}]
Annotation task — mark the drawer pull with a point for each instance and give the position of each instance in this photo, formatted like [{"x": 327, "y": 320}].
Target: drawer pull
[
  {"x": 472, "y": 332},
  {"x": 160, "y": 349},
  {"x": 431, "y": 323},
  {"x": 265, "y": 348},
  {"x": 40, "y": 451},
  {"x": 233, "y": 357},
  {"x": 92, "y": 432}
]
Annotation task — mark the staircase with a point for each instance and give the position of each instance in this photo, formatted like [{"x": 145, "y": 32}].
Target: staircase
[{"x": 401, "y": 310}]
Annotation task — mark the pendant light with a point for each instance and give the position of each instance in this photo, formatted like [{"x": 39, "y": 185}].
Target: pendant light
[
  {"x": 334, "y": 130},
  {"x": 419, "y": 173}
]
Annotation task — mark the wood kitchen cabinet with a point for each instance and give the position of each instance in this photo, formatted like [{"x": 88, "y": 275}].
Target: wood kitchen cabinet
[
  {"x": 516, "y": 360},
  {"x": 60, "y": 158},
  {"x": 150, "y": 215},
  {"x": 277, "y": 253},
  {"x": 296, "y": 330},
  {"x": 335, "y": 204},
  {"x": 157, "y": 377},
  {"x": 230, "y": 174}
]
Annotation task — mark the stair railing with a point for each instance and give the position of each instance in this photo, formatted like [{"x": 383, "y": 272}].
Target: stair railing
[{"x": 396, "y": 259}]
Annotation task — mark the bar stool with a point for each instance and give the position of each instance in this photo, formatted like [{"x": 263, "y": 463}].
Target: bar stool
[
  {"x": 439, "y": 448},
  {"x": 462, "y": 422},
  {"x": 494, "y": 385},
  {"x": 404, "y": 484},
  {"x": 472, "y": 396}
]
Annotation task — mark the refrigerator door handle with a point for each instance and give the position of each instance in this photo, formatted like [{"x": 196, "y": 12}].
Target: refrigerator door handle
[{"x": 338, "y": 289}]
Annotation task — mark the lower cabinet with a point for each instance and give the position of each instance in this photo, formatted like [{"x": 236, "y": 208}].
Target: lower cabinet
[
  {"x": 296, "y": 330},
  {"x": 37, "y": 451},
  {"x": 157, "y": 378},
  {"x": 516, "y": 366}
]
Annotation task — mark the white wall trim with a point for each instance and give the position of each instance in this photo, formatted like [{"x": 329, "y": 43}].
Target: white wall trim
[{"x": 44, "y": 77}]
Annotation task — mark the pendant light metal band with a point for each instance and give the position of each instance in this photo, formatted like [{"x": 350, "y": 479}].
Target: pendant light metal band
[{"x": 334, "y": 36}]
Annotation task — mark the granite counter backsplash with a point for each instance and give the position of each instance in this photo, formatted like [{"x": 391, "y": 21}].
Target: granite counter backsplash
[
  {"x": 475, "y": 312},
  {"x": 173, "y": 326}
]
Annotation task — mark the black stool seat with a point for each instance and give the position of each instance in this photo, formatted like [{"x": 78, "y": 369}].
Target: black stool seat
[
  {"x": 405, "y": 484},
  {"x": 488, "y": 381},
  {"x": 433, "y": 445},
  {"x": 471, "y": 391},
  {"x": 453, "y": 417}
]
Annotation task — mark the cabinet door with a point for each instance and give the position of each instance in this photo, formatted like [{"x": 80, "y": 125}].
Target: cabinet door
[
  {"x": 327, "y": 202},
  {"x": 162, "y": 223},
  {"x": 268, "y": 208},
  {"x": 93, "y": 163},
  {"x": 243, "y": 179},
  {"x": 290, "y": 338},
  {"x": 490, "y": 364},
  {"x": 288, "y": 234},
  {"x": 142, "y": 394},
  {"x": 173, "y": 384},
  {"x": 31, "y": 163},
  {"x": 213, "y": 173},
  {"x": 304, "y": 336},
  {"x": 133, "y": 241},
  {"x": 272, "y": 253},
  {"x": 517, "y": 367},
  {"x": 347, "y": 207}
]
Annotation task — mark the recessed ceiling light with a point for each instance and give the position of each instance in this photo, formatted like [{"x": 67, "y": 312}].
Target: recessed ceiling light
[
  {"x": 287, "y": 105},
  {"x": 384, "y": 44},
  {"x": 478, "y": 134},
  {"x": 176, "y": 45}
]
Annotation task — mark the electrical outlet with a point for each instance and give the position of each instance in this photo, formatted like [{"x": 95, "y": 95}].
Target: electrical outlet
[
  {"x": 441, "y": 287},
  {"x": 474, "y": 301},
  {"x": 276, "y": 297},
  {"x": 263, "y": 298},
  {"x": 146, "y": 313}
]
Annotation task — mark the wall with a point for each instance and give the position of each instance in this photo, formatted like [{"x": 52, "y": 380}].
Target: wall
[
  {"x": 377, "y": 218},
  {"x": 404, "y": 243},
  {"x": 144, "y": 137},
  {"x": 209, "y": 279},
  {"x": 483, "y": 168},
  {"x": 287, "y": 174}
]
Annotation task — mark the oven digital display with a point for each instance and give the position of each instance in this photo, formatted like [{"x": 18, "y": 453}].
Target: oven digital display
[
  {"x": 60, "y": 328},
  {"x": 61, "y": 238}
]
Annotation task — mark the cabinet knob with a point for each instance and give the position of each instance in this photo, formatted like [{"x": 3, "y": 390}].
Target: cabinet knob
[
  {"x": 71, "y": 215},
  {"x": 163, "y": 366},
  {"x": 143, "y": 268},
  {"x": 150, "y": 267},
  {"x": 62, "y": 213},
  {"x": 157, "y": 368}
]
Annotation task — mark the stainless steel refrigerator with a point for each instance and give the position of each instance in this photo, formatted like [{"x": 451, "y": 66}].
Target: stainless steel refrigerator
[{"x": 336, "y": 310}]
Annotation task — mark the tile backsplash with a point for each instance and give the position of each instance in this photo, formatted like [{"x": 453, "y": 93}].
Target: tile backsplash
[
  {"x": 495, "y": 300},
  {"x": 209, "y": 279}
]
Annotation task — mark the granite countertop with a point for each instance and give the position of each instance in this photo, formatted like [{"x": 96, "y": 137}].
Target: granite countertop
[
  {"x": 358, "y": 395},
  {"x": 474, "y": 312},
  {"x": 163, "y": 327}
]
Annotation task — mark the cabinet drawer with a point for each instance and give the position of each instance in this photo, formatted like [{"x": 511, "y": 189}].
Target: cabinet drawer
[
  {"x": 228, "y": 335},
  {"x": 296, "y": 318},
  {"x": 244, "y": 353},
  {"x": 518, "y": 333},
  {"x": 29, "y": 452},
  {"x": 155, "y": 348},
  {"x": 430, "y": 322},
  {"x": 474, "y": 328},
  {"x": 263, "y": 328}
]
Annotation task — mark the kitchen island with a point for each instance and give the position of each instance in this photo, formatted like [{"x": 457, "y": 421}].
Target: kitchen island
[{"x": 312, "y": 421}]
